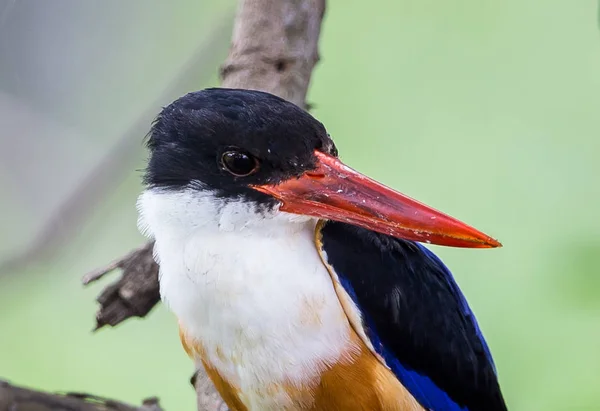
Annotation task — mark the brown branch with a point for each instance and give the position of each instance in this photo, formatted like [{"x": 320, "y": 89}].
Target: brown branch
[
  {"x": 13, "y": 398},
  {"x": 274, "y": 48},
  {"x": 134, "y": 294}
]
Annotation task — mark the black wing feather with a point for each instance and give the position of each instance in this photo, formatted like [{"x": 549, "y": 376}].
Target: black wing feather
[{"x": 413, "y": 307}]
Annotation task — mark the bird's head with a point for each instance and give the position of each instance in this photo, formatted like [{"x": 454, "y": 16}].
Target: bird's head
[{"x": 258, "y": 151}]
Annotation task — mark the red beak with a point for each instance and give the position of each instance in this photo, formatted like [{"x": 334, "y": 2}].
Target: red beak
[{"x": 336, "y": 192}]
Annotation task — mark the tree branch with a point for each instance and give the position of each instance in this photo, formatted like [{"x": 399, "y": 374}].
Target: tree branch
[
  {"x": 274, "y": 48},
  {"x": 134, "y": 294},
  {"x": 13, "y": 398}
]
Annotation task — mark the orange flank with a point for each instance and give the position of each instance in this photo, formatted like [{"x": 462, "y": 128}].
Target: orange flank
[
  {"x": 229, "y": 393},
  {"x": 190, "y": 347},
  {"x": 362, "y": 383},
  {"x": 358, "y": 382}
]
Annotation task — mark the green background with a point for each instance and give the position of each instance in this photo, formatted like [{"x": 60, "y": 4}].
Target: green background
[{"x": 487, "y": 110}]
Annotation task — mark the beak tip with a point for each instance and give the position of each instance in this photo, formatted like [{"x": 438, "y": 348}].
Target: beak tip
[{"x": 493, "y": 243}]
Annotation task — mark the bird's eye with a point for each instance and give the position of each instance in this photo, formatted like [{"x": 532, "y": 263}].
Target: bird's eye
[{"x": 239, "y": 163}]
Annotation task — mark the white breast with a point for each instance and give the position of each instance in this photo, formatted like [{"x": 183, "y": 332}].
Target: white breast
[{"x": 249, "y": 286}]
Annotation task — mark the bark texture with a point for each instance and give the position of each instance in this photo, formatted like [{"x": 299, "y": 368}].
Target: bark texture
[{"x": 13, "y": 398}]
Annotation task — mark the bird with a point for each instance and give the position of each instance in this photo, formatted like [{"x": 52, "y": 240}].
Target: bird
[{"x": 297, "y": 282}]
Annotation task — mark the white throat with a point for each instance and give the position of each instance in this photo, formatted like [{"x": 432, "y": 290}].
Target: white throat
[{"x": 249, "y": 286}]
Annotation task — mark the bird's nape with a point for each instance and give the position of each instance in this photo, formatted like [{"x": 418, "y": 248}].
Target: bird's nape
[{"x": 334, "y": 191}]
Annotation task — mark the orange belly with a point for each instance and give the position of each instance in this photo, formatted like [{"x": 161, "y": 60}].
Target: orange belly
[{"x": 360, "y": 382}]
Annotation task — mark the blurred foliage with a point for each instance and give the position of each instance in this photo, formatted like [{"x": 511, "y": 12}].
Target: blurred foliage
[{"x": 486, "y": 110}]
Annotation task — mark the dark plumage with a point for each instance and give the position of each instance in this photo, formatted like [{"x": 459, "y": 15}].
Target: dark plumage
[
  {"x": 419, "y": 317},
  {"x": 189, "y": 136}
]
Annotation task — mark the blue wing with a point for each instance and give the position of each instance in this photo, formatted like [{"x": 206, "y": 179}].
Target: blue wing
[{"x": 416, "y": 317}]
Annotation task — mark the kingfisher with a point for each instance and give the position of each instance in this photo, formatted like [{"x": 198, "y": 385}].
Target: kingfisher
[{"x": 297, "y": 282}]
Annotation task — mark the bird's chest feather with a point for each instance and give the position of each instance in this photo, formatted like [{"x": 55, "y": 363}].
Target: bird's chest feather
[
  {"x": 261, "y": 311},
  {"x": 257, "y": 306}
]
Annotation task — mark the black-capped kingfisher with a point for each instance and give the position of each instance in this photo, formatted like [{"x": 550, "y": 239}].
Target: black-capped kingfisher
[{"x": 299, "y": 283}]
